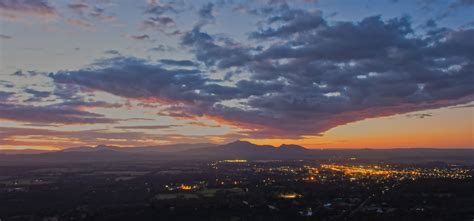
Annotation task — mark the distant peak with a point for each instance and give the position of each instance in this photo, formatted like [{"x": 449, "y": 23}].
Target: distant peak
[
  {"x": 241, "y": 142},
  {"x": 103, "y": 147},
  {"x": 291, "y": 147}
]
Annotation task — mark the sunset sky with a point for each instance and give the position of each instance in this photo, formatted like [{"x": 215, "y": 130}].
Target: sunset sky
[{"x": 319, "y": 73}]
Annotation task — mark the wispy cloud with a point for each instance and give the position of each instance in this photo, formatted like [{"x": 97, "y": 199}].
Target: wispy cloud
[
  {"x": 19, "y": 8},
  {"x": 5, "y": 37},
  {"x": 78, "y": 8},
  {"x": 420, "y": 116},
  {"x": 52, "y": 114},
  {"x": 80, "y": 23},
  {"x": 147, "y": 127}
]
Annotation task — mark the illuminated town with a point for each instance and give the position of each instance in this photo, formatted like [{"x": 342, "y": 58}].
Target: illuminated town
[
  {"x": 305, "y": 189},
  {"x": 388, "y": 172}
]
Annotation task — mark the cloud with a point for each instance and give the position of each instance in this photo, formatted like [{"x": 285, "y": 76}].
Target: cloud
[
  {"x": 206, "y": 14},
  {"x": 37, "y": 95},
  {"x": 177, "y": 62},
  {"x": 295, "y": 21},
  {"x": 5, "y": 37},
  {"x": 201, "y": 124},
  {"x": 27, "y": 136},
  {"x": 210, "y": 50},
  {"x": 86, "y": 13},
  {"x": 100, "y": 14},
  {"x": 51, "y": 114},
  {"x": 72, "y": 96},
  {"x": 80, "y": 23},
  {"x": 158, "y": 17},
  {"x": 6, "y": 84},
  {"x": 140, "y": 37},
  {"x": 158, "y": 23},
  {"x": 147, "y": 127},
  {"x": 143, "y": 37},
  {"x": 453, "y": 8},
  {"x": 300, "y": 78},
  {"x": 21, "y": 73},
  {"x": 159, "y": 8},
  {"x": 15, "y": 8},
  {"x": 162, "y": 48},
  {"x": 420, "y": 116},
  {"x": 4, "y": 96},
  {"x": 443, "y": 8},
  {"x": 145, "y": 80},
  {"x": 112, "y": 52},
  {"x": 463, "y": 106},
  {"x": 55, "y": 106},
  {"x": 78, "y": 8}
]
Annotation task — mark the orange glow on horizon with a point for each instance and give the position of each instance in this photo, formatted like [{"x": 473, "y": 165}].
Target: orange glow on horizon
[
  {"x": 447, "y": 128},
  {"x": 444, "y": 128}
]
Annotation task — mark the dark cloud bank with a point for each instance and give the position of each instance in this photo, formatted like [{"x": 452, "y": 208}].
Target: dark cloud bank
[{"x": 307, "y": 75}]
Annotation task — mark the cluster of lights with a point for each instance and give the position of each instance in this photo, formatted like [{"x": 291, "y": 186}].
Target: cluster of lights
[
  {"x": 353, "y": 171},
  {"x": 364, "y": 170},
  {"x": 234, "y": 161},
  {"x": 186, "y": 187},
  {"x": 289, "y": 195}
]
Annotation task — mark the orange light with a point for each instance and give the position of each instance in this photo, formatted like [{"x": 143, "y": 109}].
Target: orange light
[{"x": 185, "y": 187}]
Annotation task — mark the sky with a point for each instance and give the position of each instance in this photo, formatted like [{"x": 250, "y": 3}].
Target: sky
[{"x": 318, "y": 73}]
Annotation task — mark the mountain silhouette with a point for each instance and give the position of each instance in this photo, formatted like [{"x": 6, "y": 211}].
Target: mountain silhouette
[
  {"x": 146, "y": 149},
  {"x": 246, "y": 150},
  {"x": 234, "y": 150}
]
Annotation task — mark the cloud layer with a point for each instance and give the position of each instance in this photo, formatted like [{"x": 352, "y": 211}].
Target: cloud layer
[
  {"x": 302, "y": 75},
  {"x": 298, "y": 71}
]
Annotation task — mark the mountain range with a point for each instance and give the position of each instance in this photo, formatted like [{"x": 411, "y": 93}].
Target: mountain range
[
  {"x": 234, "y": 150},
  {"x": 146, "y": 149}
]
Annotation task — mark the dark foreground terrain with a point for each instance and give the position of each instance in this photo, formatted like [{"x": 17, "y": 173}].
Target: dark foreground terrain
[{"x": 318, "y": 189}]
